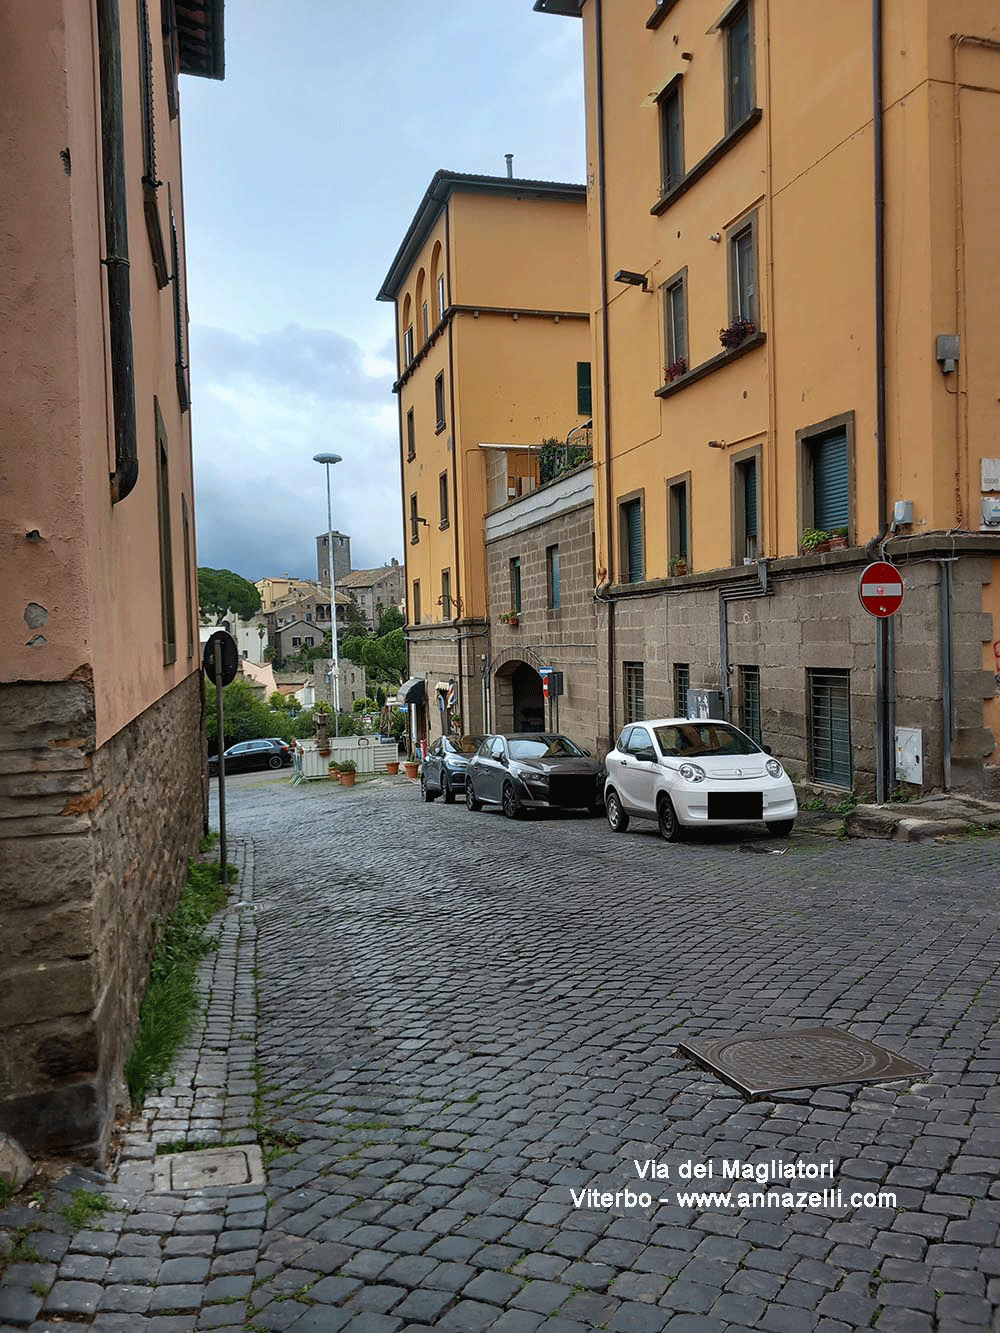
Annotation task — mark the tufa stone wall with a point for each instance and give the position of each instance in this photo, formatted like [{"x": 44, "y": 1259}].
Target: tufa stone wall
[{"x": 93, "y": 851}]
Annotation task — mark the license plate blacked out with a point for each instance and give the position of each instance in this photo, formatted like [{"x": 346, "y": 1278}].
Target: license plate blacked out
[{"x": 735, "y": 805}]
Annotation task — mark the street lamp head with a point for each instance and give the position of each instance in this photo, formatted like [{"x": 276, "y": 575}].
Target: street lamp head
[{"x": 327, "y": 458}]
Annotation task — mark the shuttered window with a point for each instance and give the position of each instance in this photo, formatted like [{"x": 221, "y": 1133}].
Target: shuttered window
[
  {"x": 830, "y": 727},
  {"x": 583, "y": 393},
  {"x": 671, "y": 138},
  {"x": 632, "y": 543},
  {"x": 552, "y": 577},
  {"x": 150, "y": 183},
  {"x": 746, "y": 521},
  {"x": 677, "y": 514},
  {"x": 180, "y": 318},
  {"x": 831, "y": 492}
]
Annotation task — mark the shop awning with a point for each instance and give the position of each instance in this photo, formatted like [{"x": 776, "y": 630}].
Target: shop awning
[{"x": 414, "y": 691}]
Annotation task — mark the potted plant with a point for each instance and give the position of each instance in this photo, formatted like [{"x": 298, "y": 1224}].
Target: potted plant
[
  {"x": 392, "y": 767},
  {"x": 334, "y": 769},
  {"x": 814, "y": 539},
  {"x": 348, "y": 772},
  {"x": 508, "y": 617},
  {"x": 676, "y": 369},
  {"x": 735, "y": 333},
  {"x": 410, "y": 765},
  {"x": 678, "y": 565},
  {"x": 838, "y": 539}
]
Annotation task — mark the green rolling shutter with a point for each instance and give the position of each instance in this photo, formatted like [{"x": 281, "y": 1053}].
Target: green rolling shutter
[
  {"x": 583, "y": 398},
  {"x": 831, "y": 502}
]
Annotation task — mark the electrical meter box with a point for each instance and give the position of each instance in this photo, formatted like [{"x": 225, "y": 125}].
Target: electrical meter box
[{"x": 705, "y": 704}]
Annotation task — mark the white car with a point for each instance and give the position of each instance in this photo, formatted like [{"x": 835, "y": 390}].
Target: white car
[{"x": 695, "y": 773}]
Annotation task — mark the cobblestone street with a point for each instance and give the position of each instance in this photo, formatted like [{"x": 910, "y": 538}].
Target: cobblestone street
[{"x": 463, "y": 1020}]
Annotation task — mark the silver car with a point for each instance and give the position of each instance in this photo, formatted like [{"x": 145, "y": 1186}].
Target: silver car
[{"x": 533, "y": 769}]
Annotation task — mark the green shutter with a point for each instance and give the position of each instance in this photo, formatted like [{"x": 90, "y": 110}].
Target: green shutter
[
  {"x": 830, "y": 490},
  {"x": 750, "y": 493},
  {"x": 583, "y": 399},
  {"x": 633, "y": 541}
]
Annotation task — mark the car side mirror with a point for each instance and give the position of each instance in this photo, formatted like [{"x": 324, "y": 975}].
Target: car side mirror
[
  {"x": 767, "y": 749},
  {"x": 648, "y": 755}
]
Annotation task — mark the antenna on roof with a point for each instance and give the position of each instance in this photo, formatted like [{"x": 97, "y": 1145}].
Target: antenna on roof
[{"x": 510, "y": 165}]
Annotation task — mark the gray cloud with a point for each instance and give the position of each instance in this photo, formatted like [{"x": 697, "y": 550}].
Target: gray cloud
[{"x": 314, "y": 361}]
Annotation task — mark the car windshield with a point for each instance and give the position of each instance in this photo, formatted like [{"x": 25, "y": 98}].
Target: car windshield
[
  {"x": 542, "y": 747},
  {"x": 686, "y": 739},
  {"x": 464, "y": 744}
]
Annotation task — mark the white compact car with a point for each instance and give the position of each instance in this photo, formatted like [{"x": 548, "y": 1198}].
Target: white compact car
[{"x": 695, "y": 773}]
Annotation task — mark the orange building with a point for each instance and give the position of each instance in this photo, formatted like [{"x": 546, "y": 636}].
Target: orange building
[
  {"x": 101, "y": 747},
  {"x": 489, "y": 286},
  {"x": 793, "y": 278}
]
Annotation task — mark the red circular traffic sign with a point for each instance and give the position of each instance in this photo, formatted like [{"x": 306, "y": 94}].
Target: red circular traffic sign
[{"x": 881, "y": 589}]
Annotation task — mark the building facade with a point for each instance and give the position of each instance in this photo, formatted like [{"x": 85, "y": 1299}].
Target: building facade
[
  {"x": 375, "y": 590},
  {"x": 792, "y": 282},
  {"x": 101, "y": 798},
  {"x": 489, "y": 286}
]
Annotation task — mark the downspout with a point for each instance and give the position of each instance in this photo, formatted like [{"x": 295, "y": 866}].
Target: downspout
[
  {"x": 947, "y": 672},
  {"x": 605, "y": 361},
  {"x": 736, "y": 592},
  {"x": 456, "y": 600},
  {"x": 126, "y": 472},
  {"x": 884, "y": 676}
]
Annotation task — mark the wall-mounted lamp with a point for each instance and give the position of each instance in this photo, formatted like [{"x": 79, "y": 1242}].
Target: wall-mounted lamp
[
  {"x": 716, "y": 444},
  {"x": 716, "y": 236},
  {"x": 632, "y": 279}
]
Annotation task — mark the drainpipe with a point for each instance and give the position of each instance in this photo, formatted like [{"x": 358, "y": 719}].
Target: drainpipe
[
  {"x": 605, "y": 361},
  {"x": 736, "y": 592},
  {"x": 885, "y": 696},
  {"x": 947, "y": 672},
  {"x": 126, "y": 472}
]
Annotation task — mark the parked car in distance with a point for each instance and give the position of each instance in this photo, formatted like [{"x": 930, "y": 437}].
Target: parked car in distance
[
  {"x": 268, "y": 753},
  {"x": 695, "y": 773},
  {"x": 443, "y": 771},
  {"x": 533, "y": 769}
]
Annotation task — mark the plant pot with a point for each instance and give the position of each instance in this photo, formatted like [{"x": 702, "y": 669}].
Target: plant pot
[
  {"x": 392, "y": 768},
  {"x": 837, "y": 544},
  {"x": 347, "y": 779},
  {"x": 323, "y": 752},
  {"x": 411, "y": 770}
]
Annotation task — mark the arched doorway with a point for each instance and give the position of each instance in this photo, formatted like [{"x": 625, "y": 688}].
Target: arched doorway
[{"x": 520, "y": 704}]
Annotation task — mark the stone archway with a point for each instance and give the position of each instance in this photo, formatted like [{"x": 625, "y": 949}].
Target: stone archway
[{"x": 520, "y": 704}]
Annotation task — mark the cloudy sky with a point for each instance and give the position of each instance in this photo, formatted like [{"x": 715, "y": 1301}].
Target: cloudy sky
[{"x": 302, "y": 171}]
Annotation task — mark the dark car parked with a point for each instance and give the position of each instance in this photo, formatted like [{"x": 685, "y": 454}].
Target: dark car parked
[
  {"x": 530, "y": 770},
  {"x": 270, "y": 753},
  {"x": 443, "y": 771}
]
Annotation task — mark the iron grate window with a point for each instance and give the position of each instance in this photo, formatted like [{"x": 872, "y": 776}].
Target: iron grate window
[
  {"x": 750, "y": 701},
  {"x": 634, "y": 692},
  {"x": 682, "y": 683},
  {"x": 830, "y": 727}
]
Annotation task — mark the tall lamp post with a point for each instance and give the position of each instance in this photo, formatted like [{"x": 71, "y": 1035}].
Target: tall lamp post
[{"x": 326, "y": 460}]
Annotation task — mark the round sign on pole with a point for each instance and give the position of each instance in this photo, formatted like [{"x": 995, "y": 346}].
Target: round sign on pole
[
  {"x": 880, "y": 589},
  {"x": 230, "y": 657}
]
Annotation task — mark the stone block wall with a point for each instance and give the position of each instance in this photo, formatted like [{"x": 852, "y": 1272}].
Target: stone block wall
[
  {"x": 93, "y": 852},
  {"x": 445, "y": 652}
]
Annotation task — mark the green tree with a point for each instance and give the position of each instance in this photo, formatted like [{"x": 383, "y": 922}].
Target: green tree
[
  {"x": 353, "y": 648},
  {"x": 356, "y": 623},
  {"x": 220, "y": 590},
  {"x": 389, "y": 618},
  {"x": 245, "y": 717},
  {"x": 384, "y": 659}
]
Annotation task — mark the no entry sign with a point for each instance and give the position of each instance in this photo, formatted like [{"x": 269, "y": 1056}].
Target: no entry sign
[{"x": 881, "y": 589}]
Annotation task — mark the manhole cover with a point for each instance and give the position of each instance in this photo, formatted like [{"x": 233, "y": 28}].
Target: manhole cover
[
  {"x": 210, "y": 1167},
  {"x": 798, "y": 1058}
]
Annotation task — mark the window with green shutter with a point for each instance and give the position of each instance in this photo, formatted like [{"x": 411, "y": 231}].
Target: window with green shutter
[
  {"x": 831, "y": 493},
  {"x": 583, "y": 397},
  {"x": 633, "y": 552}
]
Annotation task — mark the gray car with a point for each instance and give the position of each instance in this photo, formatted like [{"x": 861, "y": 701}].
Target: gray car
[
  {"x": 443, "y": 771},
  {"x": 531, "y": 771}
]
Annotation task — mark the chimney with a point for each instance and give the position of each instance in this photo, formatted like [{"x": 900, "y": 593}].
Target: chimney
[{"x": 510, "y": 165}]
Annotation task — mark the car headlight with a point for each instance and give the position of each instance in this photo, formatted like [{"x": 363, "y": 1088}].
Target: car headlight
[
  {"x": 535, "y": 780},
  {"x": 692, "y": 773},
  {"x": 774, "y": 768}
]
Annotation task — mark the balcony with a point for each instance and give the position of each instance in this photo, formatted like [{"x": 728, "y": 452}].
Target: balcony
[{"x": 515, "y": 470}]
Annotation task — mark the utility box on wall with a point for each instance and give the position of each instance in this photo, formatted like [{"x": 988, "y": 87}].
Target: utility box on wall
[
  {"x": 910, "y": 755},
  {"x": 705, "y": 704}
]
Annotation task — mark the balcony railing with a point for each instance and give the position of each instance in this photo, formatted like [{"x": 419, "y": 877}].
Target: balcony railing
[{"x": 516, "y": 470}]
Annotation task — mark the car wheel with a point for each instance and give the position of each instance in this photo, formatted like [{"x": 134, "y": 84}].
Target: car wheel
[
  {"x": 274, "y": 761},
  {"x": 780, "y": 828},
  {"x": 508, "y": 800},
  {"x": 470, "y": 797},
  {"x": 425, "y": 795},
  {"x": 666, "y": 820},
  {"x": 446, "y": 791},
  {"x": 617, "y": 817}
]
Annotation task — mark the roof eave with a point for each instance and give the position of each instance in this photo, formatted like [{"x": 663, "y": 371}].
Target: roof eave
[
  {"x": 570, "y": 8},
  {"x": 201, "y": 38}
]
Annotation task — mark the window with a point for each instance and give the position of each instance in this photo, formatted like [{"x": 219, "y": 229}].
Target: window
[
  {"x": 584, "y": 396},
  {"x": 416, "y": 601},
  {"x": 446, "y": 594},
  {"x": 750, "y": 701},
  {"x": 168, "y": 627},
  {"x": 411, "y": 437},
  {"x": 414, "y": 520},
  {"x": 439, "y": 401},
  {"x": 632, "y": 546},
  {"x": 408, "y": 345},
  {"x": 682, "y": 683},
  {"x": 442, "y": 303},
  {"x": 180, "y": 317},
  {"x": 746, "y": 509},
  {"x": 827, "y": 469},
  {"x": 296, "y": 643},
  {"x": 671, "y": 137},
  {"x": 309, "y": 616},
  {"x": 425, "y": 321},
  {"x": 634, "y": 703},
  {"x": 552, "y": 577},
  {"x": 830, "y": 727},
  {"x": 443, "y": 498},
  {"x": 743, "y": 296},
  {"x": 515, "y": 583},
  {"x": 679, "y": 524},
  {"x": 675, "y": 347},
  {"x": 170, "y": 55},
  {"x": 739, "y": 64},
  {"x": 149, "y": 180}
]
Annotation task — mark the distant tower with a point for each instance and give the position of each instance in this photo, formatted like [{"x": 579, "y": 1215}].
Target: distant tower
[{"x": 341, "y": 558}]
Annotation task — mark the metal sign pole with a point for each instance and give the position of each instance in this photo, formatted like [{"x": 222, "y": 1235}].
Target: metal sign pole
[{"x": 222, "y": 763}]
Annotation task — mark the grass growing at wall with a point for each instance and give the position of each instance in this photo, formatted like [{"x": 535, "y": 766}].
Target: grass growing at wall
[{"x": 171, "y": 999}]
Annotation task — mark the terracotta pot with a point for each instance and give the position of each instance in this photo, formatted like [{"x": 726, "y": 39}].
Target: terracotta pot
[
  {"x": 411, "y": 770},
  {"x": 392, "y": 768},
  {"x": 347, "y": 779},
  {"x": 323, "y": 752},
  {"x": 837, "y": 544}
]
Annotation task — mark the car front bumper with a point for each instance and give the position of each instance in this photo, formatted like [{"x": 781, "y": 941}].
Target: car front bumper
[{"x": 691, "y": 801}]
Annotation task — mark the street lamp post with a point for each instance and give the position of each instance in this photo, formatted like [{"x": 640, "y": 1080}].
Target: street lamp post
[{"x": 327, "y": 460}]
